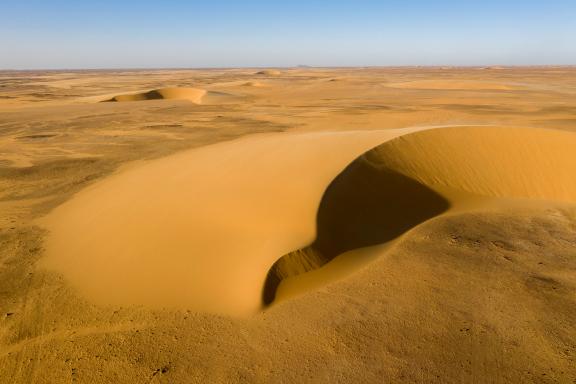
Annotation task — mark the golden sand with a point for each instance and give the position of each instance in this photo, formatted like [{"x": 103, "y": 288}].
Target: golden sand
[{"x": 325, "y": 225}]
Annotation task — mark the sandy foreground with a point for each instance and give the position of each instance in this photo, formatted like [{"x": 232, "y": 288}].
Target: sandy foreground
[{"x": 288, "y": 226}]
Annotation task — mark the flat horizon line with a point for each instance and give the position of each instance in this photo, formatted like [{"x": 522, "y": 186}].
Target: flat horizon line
[{"x": 447, "y": 66}]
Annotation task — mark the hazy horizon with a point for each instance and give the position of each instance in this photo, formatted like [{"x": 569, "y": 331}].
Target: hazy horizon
[
  {"x": 226, "y": 34},
  {"x": 408, "y": 66}
]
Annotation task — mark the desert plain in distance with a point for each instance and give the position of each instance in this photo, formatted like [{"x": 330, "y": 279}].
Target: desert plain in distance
[{"x": 293, "y": 225}]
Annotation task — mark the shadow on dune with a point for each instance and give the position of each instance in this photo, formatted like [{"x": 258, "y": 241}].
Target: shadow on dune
[
  {"x": 151, "y": 95},
  {"x": 364, "y": 206},
  {"x": 194, "y": 95}
]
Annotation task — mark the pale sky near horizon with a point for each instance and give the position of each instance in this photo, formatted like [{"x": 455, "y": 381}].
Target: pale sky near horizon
[{"x": 59, "y": 34}]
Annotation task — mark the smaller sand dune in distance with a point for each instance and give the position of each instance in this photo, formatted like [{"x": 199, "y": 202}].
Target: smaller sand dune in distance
[
  {"x": 194, "y": 95},
  {"x": 253, "y": 84},
  {"x": 269, "y": 72}
]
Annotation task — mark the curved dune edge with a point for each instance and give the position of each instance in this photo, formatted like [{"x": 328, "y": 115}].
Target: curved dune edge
[
  {"x": 194, "y": 95},
  {"x": 205, "y": 229},
  {"x": 204, "y": 225}
]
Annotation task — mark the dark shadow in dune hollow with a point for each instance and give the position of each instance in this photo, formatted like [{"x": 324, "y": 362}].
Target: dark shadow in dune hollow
[
  {"x": 364, "y": 206},
  {"x": 150, "y": 95}
]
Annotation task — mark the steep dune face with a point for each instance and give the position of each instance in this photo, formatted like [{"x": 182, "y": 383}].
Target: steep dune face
[
  {"x": 205, "y": 229},
  {"x": 194, "y": 95},
  {"x": 364, "y": 206}
]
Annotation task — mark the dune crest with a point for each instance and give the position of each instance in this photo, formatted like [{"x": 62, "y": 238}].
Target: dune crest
[
  {"x": 194, "y": 95},
  {"x": 199, "y": 214}
]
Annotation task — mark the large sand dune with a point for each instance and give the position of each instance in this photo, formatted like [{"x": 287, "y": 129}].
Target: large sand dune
[{"x": 179, "y": 219}]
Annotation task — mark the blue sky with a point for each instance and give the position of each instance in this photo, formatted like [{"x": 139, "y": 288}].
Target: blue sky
[{"x": 221, "y": 33}]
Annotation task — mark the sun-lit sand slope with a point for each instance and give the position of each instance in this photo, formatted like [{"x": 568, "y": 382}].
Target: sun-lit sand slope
[
  {"x": 510, "y": 162},
  {"x": 290, "y": 225},
  {"x": 191, "y": 94},
  {"x": 208, "y": 223},
  {"x": 211, "y": 223}
]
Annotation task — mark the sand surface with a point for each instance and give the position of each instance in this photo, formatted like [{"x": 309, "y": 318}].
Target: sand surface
[{"x": 295, "y": 225}]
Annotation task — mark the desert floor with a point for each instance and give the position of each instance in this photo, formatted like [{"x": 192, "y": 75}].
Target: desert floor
[{"x": 304, "y": 225}]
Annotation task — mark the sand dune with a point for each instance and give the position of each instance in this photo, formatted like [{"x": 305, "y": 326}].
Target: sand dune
[
  {"x": 269, "y": 72},
  {"x": 253, "y": 84},
  {"x": 179, "y": 205},
  {"x": 194, "y": 95}
]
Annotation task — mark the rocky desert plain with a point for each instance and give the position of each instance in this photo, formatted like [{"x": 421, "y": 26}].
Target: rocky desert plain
[{"x": 290, "y": 225}]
